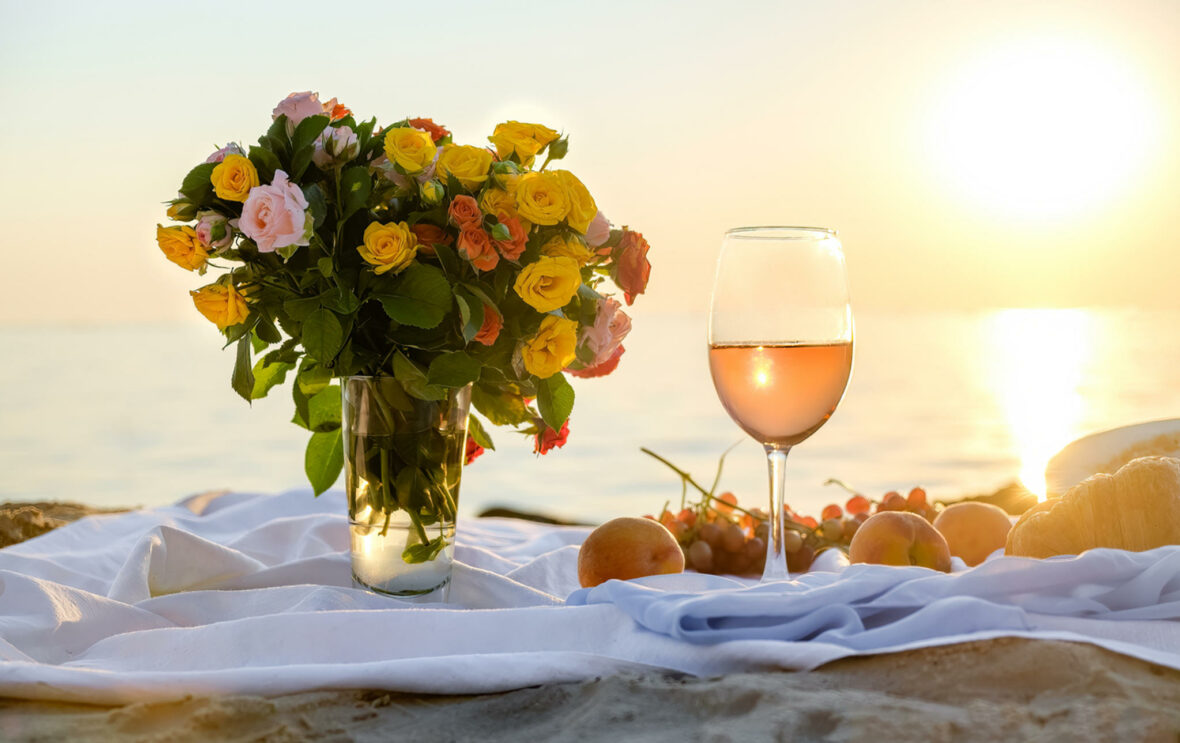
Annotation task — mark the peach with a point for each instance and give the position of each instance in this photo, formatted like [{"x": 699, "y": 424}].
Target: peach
[
  {"x": 626, "y": 548},
  {"x": 974, "y": 530},
  {"x": 900, "y": 538}
]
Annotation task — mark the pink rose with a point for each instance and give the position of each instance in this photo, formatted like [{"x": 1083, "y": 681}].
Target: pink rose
[
  {"x": 599, "y": 230},
  {"x": 611, "y": 326},
  {"x": 230, "y": 149},
  {"x": 297, "y": 107},
  {"x": 335, "y": 144},
  {"x": 213, "y": 230},
  {"x": 275, "y": 216}
]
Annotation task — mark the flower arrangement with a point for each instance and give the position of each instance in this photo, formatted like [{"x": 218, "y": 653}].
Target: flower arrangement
[{"x": 348, "y": 249}]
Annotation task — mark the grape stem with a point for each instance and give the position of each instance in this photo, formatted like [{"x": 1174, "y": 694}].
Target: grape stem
[
  {"x": 687, "y": 478},
  {"x": 841, "y": 483}
]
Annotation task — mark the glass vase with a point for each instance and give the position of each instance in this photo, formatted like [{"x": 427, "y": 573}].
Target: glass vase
[{"x": 403, "y": 460}]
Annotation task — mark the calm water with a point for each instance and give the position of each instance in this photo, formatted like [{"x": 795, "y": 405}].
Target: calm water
[{"x": 954, "y": 402}]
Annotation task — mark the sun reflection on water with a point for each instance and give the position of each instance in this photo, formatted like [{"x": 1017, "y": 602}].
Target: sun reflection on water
[{"x": 1039, "y": 356}]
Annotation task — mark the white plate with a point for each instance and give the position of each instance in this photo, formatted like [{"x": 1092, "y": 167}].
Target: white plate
[{"x": 1087, "y": 455}]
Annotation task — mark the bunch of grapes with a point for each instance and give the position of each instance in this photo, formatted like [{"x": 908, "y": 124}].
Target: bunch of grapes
[{"x": 719, "y": 536}]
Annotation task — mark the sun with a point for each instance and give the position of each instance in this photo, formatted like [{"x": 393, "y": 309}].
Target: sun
[{"x": 1043, "y": 128}]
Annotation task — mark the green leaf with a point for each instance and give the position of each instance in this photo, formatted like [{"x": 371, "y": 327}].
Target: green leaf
[
  {"x": 243, "y": 376},
  {"x": 323, "y": 410},
  {"x": 342, "y": 301},
  {"x": 287, "y": 251},
  {"x": 268, "y": 375},
  {"x": 500, "y": 232},
  {"x": 312, "y": 379},
  {"x": 322, "y": 335},
  {"x": 299, "y": 309},
  {"x": 197, "y": 186},
  {"x": 277, "y": 137},
  {"x": 307, "y": 132},
  {"x": 413, "y": 379},
  {"x": 476, "y": 431},
  {"x": 355, "y": 186},
  {"x": 424, "y": 552},
  {"x": 299, "y": 162},
  {"x": 454, "y": 369},
  {"x": 266, "y": 162},
  {"x": 325, "y": 266},
  {"x": 500, "y": 407},
  {"x": 316, "y": 204},
  {"x": 266, "y": 330},
  {"x": 324, "y": 459},
  {"x": 420, "y": 297},
  {"x": 448, "y": 259},
  {"x": 555, "y": 399}
]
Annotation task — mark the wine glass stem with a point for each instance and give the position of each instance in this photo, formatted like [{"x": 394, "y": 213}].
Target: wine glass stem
[{"x": 776, "y": 556}]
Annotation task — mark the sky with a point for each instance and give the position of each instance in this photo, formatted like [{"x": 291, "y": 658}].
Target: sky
[{"x": 970, "y": 154}]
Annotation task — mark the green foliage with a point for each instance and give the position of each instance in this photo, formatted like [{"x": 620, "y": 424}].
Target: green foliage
[
  {"x": 243, "y": 377},
  {"x": 421, "y": 296},
  {"x": 555, "y": 400},
  {"x": 322, "y": 335},
  {"x": 324, "y": 459},
  {"x": 453, "y": 369},
  {"x": 476, "y": 431},
  {"x": 196, "y": 185}
]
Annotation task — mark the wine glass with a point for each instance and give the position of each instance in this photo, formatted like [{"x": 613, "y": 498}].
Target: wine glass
[{"x": 780, "y": 345}]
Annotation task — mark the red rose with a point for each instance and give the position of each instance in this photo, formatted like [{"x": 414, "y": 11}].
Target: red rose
[
  {"x": 476, "y": 246},
  {"x": 464, "y": 213},
  {"x": 550, "y": 439},
  {"x": 490, "y": 330},
  {"x": 632, "y": 268},
  {"x": 601, "y": 370},
  {"x": 339, "y": 111},
  {"x": 430, "y": 235},
  {"x": 435, "y": 131},
  {"x": 515, "y": 244},
  {"x": 473, "y": 449}
]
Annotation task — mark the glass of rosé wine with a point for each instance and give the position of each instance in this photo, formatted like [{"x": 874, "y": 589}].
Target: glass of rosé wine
[{"x": 780, "y": 345}]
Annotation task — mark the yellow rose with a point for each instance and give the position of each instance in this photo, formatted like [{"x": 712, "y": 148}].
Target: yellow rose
[
  {"x": 552, "y": 348},
  {"x": 522, "y": 140},
  {"x": 559, "y": 247},
  {"x": 182, "y": 246},
  {"x": 388, "y": 247},
  {"x": 582, "y": 206},
  {"x": 221, "y": 305},
  {"x": 541, "y": 198},
  {"x": 548, "y": 283},
  {"x": 469, "y": 164},
  {"x": 410, "y": 148},
  {"x": 233, "y": 178},
  {"x": 496, "y": 200}
]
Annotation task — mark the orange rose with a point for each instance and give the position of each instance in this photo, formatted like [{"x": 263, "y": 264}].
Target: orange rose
[
  {"x": 514, "y": 246},
  {"x": 430, "y": 235},
  {"x": 632, "y": 268},
  {"x": 435, "y": 131},
  {"x": 490, "y": 330},
  {"x": 465, "y": 213},
  {"x": 477, "y": 247}
]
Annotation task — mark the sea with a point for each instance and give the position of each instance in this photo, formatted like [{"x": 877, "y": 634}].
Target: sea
[{"x": 956, "y": 402}]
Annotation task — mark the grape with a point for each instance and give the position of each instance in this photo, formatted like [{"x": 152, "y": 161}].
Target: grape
[
  {"x": 861, "y": 517},
  {"x": 792, "y": 541},
  {"x": 893, "y": 501},
  {"x": 916, "y": 499},
  {"x": 700, "y": 554},
  {"x": 762, "y": 531},
  {"x": 850, "y": 527},
  {"x": 857, "y": 504},
  {"x": 712, "y": 534},
  {"x": 807, "y": 521},
  {"x": 734, "y": 538},
  {"x": 831, "y": 511},
  {"x": 755, "y": 548},
  {"x": 800, "y": 561},
  {"x": 833, "y": 529},
  {"x": 688, "y": 516}
]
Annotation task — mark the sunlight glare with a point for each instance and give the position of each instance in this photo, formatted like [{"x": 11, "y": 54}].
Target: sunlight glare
[
  {"x": 1038, "y": 357},
  {"x": 1044, "y": 128}
]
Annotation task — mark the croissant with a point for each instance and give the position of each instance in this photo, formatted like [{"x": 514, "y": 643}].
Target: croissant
[{"x": 1137, "y": 508}]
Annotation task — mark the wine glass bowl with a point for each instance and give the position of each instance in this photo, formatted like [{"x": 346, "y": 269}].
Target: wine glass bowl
[{"x": 780, "y": 344}]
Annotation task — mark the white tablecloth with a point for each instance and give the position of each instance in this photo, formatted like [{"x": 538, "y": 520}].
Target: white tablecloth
[{"x": 254, "y": 595}]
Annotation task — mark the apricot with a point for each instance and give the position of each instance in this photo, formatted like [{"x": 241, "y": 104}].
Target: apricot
[
  {"x": 626, "y": 548},
  {"x": 974, "y": 530},
  {"x": 900, "y": 538}
]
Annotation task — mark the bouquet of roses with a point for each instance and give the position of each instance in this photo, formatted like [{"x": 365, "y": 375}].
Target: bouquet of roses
[{"x": 352, "y": 250}]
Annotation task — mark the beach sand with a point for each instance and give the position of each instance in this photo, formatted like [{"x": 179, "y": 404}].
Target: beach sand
[{"x": 1005, "y": 689}]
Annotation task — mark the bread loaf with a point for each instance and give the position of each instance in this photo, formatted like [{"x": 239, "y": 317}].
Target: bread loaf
[{"x": 1136, "y": 508}]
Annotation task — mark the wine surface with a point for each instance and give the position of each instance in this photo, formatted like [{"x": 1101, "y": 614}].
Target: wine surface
[{"x": 780, "y": 394}]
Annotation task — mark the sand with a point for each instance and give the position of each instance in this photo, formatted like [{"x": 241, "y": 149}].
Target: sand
[{"x": 1006, "y": 689}]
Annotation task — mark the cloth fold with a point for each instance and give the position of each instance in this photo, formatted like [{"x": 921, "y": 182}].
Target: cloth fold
[{"x": 253, "y": 594}]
